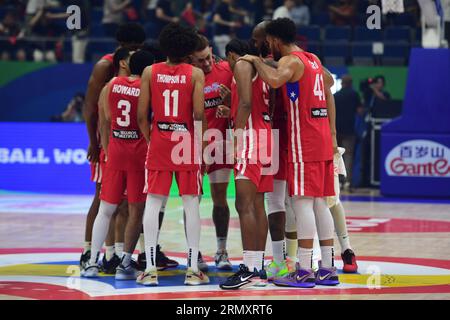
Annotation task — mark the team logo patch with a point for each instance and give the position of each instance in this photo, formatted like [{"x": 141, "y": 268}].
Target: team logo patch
[{"x": 319, "y": 113}]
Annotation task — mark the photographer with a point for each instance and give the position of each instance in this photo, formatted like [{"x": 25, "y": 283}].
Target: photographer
[
  {"x": 377, "y": 91},
  {"x": 73, "y": 112}
]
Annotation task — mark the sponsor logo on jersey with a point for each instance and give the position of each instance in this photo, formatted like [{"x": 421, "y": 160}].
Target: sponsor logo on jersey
[
  {"x": 171, "y": 126},
  {"x": 213, "y": 102},
  {"x": 214, "y": 87},
  {"x": 419, "y": 158},
  {"x": 266, "y": 116},
  {"x": 319, "y": 113},
  {"x": 125, "y": 134}
]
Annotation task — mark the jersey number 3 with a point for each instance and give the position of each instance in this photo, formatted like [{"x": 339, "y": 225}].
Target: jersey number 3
[
  {"x": 125, "y": 106},
  {"x": 167, "y": 95}
]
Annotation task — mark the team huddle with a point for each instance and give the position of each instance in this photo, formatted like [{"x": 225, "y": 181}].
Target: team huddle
[{"x": 265, "y": 114}]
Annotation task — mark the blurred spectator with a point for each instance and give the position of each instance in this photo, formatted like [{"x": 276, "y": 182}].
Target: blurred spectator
[
  {"x": 194, "y": 18},
  {"x": 377, "y": 91},
  {"x": 148, "y": 10},
  {"x": 165, "y": 14},
  {"x": 268, "y": 10},
  {"x": 344, "y": 13},
  {"x": 348, "y": 106},
  {"x": 44, "y": 24},
  {"x": 73, "y": 112},
  {"x": 285, "y": 10},
  {"x": 446, "y": 8},
  {"x": 300, "y": 13},
  {"x": 224, "y": 24},
  {"x": 80, "y": 37},
  {"x": 113, "y": 15},
  {"x": 12, "y": 46}
]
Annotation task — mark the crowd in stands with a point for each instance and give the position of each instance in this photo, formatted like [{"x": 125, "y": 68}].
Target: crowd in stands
[{"x": 36, "y": 29}]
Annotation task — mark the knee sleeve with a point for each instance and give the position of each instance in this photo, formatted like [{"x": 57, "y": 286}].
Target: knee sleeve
[
  {"x": 324, "y": 221},
  {"x": 276, "y": 198},
  {"x": 303, "y": 208},
  {"x": 291, "y": 225}
]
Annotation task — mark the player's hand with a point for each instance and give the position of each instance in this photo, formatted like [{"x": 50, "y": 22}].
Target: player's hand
[
  {"x": 223, "y": 112},
  {"x": 335, "y": 144},
  {"x": 93, "y": 153},
  {"x": 249, "y": 58},
  {"x": 225, "y": 94}
]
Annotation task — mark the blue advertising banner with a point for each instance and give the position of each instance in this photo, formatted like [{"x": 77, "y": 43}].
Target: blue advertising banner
[{"x": 45, "y": 158}]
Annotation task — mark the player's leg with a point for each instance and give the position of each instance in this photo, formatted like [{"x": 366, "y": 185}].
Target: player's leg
[
  {"x": 326, "y": 275},
  {"x": 119, "y": 230},
  {"x": 221, "y": 214},
  {"x": 277, "y": 222},
  {"x": 303, "y": 277},
  {"x": 290, "y": 230},
  {"x": 157, "y": 186},
  {"x": 262, "y": 228},
  {"x": 92, "y": 214},
  {"x": 190, "y": 187},
  {"x": 111, "y": 196}
]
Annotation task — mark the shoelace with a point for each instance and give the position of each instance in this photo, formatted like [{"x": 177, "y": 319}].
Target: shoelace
[{"x": 242, "y": 270}]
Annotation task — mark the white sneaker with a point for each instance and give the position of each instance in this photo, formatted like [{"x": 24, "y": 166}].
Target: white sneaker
[
  {"x": 195, "y": 278},
  {"x": 90, "y": 270},
  {"x": 221, "y": 260},
  {"x": 148, "y": 278}
]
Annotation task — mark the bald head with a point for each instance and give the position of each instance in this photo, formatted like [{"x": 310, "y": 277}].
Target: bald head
[
  {"x": 347, "y": 81},
  {"x": 259, "y": 38}
]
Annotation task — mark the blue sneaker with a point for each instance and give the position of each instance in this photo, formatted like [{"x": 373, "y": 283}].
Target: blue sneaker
[
  {"x": 327, "y": 277},
  {"x": 300, "y": 278}
]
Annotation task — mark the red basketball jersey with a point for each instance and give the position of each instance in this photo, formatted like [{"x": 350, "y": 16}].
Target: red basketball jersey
[
  {"x": 220, "y": 74},
  {"x": 173, "y": 121},
  {"x": 308, "y": 127},
  {"x": 259, "y": 119},
  {"x": 127, "y": 146}
]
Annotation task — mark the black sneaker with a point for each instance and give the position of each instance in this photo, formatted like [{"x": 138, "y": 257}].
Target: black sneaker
[
  {"x": 162, "y": 261},
  {"x": 245, "y": 278},
  {"x": 202, "y": 265},
  {"x": 84, "y": 259},
  {"x": 109, "y": 267}
]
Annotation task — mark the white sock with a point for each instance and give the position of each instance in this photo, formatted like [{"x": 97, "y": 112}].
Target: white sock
[
  {"x": 327, "y": 256},
  {"x": 119, "y": 248},
  {"x": 279, "y": 251},
  {"x": 126, "y": 259},
  {"x": 151, "y": 215},
  {"x": 344, "y": 241},
  {"x": 141, "y": 243},
  {"x": 192, "y": 212},
  {"x": 100, "y": 229},
  {"x": 258, "y": 260},
  {"x": 109, "y": 252},
  {"x": 192, "y": 259},
  {"x": 248, "y": 259},
  {"x": 305, "y": 257},
  {"x": 221, "y": 243},
  {"x": 87, "y": 246}
]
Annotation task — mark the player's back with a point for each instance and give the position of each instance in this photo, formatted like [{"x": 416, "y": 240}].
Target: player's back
[
  {"x": 308, "y": 123},
  {"x": 127, "y": 146},
  {"x": 172, "y": 107}
]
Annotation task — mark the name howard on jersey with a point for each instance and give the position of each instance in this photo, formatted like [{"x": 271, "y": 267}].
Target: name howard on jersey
[{"x": 125, "y": 90}]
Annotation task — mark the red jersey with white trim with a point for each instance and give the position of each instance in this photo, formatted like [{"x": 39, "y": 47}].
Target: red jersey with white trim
[
  {"x": 259, "y": 119},
  {"x": 173, "y": 122},
  {"x": 308, "y": 125},
  {"x": 127, "y": 146},
  {"x": 220, "y": 74}
]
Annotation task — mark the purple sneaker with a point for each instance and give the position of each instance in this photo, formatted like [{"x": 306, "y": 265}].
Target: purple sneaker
[
  {"x": 300, "y": 278},
  {"x": 327, "y": 277}
]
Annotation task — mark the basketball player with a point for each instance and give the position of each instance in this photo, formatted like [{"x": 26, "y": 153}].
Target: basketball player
[
  {"x": 310, "y": 168},
  {"x": 174, "y": 92},
  {"x": 250, "y": 114},
  {"x": 130, "y": 36},
  {"x": 125, "y": 152},
  {"x": 217, "y": 75}
]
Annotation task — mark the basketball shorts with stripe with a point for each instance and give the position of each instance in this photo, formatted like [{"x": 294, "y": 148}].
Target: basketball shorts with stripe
[
  {"x": 311, "y": 179},
  {"x": 254, "y": 173},
  {"x": 118, "y": 185}
]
